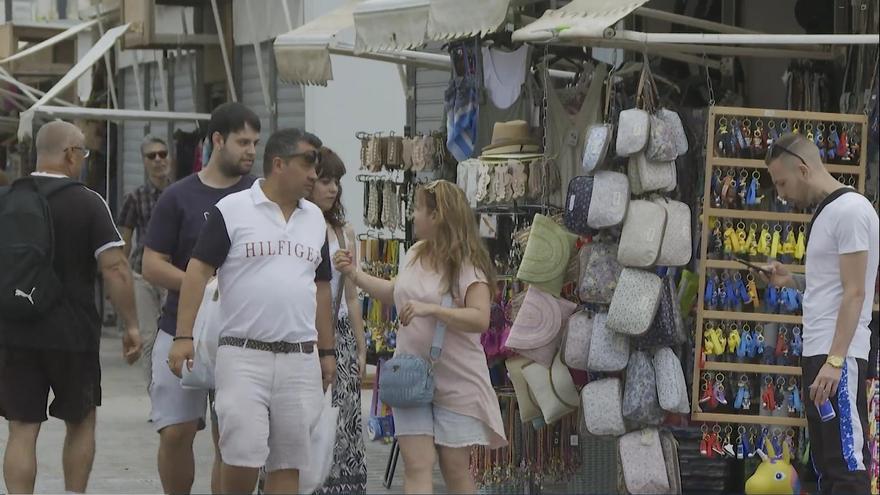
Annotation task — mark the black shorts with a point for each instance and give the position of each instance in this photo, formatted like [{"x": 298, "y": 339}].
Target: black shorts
[{"x": 26, "y": 375}]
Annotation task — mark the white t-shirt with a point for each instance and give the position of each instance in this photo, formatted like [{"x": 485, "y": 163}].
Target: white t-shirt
[
  {"x": 848, "y": 224},
  {"x": 267, "y": 268}
]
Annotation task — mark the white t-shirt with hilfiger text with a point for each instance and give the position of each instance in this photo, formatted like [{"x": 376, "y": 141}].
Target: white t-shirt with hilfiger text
[{"x": 847, "y": 225}]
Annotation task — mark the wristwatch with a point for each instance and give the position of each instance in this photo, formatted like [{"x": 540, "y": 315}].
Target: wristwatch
[
  {"x": 326, "y": 352},
  {"x": 834, "y": 361}
]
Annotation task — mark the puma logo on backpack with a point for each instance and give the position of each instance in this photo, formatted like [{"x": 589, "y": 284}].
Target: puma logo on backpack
[{"x": 27, "y": 249}]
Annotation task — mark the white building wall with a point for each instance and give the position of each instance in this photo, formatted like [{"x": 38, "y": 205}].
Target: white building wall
[{"x": 365, "y": 95}]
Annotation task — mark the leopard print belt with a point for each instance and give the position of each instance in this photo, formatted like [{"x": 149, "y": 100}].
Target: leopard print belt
[{"x": 275, "y": 347}]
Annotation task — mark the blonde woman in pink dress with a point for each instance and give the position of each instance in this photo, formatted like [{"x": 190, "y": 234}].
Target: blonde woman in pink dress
[{"x": 449, "y": 257}]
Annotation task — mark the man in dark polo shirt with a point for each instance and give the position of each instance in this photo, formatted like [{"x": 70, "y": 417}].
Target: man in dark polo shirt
[
  {"x": 177, "y": 219},
  {"x": 59, "y": 350}
]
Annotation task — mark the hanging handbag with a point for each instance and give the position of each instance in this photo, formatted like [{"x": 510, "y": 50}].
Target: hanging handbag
[
  {"x": 598, "y": 136},
  {"x": 642, "y": 462},
  {"x": 635, "y": 302},
  {"x": 602, "y": 402},
  {"x": 600, "y": 274},
  {"x": 546, "y": 256},
  {"x": 670, "y": 457},
  {"x": 675, "y": 249},
  {"x": 673, "y": 121},
  {"x": 552, "y": 388},
  {"x": 577, "y": 205},
  {"x": 666, "y": 329},
  {"x": 640, "y": 402},
  {"x": 528, "y": 409},
  {"x": 535, "y": 331},
  {"x": 642, "y": 234},
  {"x": 609, "y": 350},
  {"x": 576, "y": 344},
  {"x": 653, "y": 175},
  {"x": 610, "y": 200},
  {"x": 407, "y": 380},
  {"x": 632, "y": 132},
  {"x": 671, "y": 385}
]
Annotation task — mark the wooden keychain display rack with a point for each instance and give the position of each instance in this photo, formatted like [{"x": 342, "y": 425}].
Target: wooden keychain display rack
[{"x": 710, "y": 212}]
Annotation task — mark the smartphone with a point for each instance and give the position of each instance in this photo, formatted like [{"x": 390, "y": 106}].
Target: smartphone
[{"x": 754, "y": 266}]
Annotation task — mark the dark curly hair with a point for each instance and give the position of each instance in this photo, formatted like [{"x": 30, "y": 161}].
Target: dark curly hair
[{"x": 331, "y": 167}]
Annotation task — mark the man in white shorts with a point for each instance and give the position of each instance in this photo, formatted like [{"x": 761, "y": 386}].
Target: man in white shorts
[
  {"x": 183, "y": 208},
  {"x": 269, "y": 249}
]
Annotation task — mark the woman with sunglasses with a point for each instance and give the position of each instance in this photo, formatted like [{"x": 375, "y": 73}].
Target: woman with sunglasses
[
  {"x": 349, "y": 471},
  {"x": 449, "y": 258}
]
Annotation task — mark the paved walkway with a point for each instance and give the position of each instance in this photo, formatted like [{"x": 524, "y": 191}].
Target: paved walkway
[{"x": 125, "y": 461}]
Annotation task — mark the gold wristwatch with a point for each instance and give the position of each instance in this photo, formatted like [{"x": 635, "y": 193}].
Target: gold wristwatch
[{"x": 834, "y": 361}]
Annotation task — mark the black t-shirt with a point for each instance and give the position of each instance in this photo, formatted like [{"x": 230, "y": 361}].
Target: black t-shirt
[
  {"x": 84, "y": 228},
  {"x": 175, "y": 226}
]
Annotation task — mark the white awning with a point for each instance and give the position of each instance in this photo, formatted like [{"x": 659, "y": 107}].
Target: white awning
[
  {"x": 404, "y": 24},
  {"x": 101, "y": 46},
  {"x": 303, "y": 55},
  {"x": 577, "y": 19},
  {"x": 118, "y": 115},
  {"x": 69, "y": 33}
]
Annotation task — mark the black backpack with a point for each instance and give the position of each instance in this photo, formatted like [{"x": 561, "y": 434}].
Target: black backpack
[{"x": 29, "y": 286}]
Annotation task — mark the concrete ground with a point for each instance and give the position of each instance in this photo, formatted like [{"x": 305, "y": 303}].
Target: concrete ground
[{"x": 125, "y": 461}]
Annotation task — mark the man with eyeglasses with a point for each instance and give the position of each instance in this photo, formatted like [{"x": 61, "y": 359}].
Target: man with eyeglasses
[
  {"x": 269, "y": 249},
  {"x": 134, "y": 216},
  {"x": 183, "y": 208},
  {"x": 58, "y": 348},
  {"x": 841, "y": 266}
]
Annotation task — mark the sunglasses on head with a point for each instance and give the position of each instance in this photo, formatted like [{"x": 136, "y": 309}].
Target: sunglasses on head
[
  {"x": 775, "y": 150},
  {"x": 156, "y": 154},
  {"x": 312, "y": 157}
]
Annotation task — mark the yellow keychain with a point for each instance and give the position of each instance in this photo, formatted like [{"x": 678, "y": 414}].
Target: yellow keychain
[
  {"x": 742, "y": 237},
  {"x": 789, "y": 246},
  {"x": 708, "y": 345},
  {"x": 752, "y": 289},
  {"x": 733, "y": 340},
  {"x": 801, "y": 246},
  {"x": 721, "y": 341},
  {"x": 751, "y": 240},
  {"x": 764, "y": 243},
  {"x": 729, "y": 238},
  {"x": 775, "y": 245}
]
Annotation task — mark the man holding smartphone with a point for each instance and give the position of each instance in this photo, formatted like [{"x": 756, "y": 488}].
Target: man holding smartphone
[{"x": 841, "y": 266}]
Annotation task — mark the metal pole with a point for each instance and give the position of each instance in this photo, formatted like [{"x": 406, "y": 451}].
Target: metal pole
[
  {"x": 232, "y": 93},
  {"x": 264, "y": 87},
  {"x": 746, "y": 39}
]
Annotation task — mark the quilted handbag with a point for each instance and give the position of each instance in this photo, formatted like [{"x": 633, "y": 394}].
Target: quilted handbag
[
  {"x": 675, "y": 249},
  {"x": 598, "y": 138},
  {"x": 602, "y": 407},
  {"x": 407, "y": 380},
  {"x": 535, "y": 331},
  {"x": 553, "y": 389},
  {"x": 666, "y": 329},
  {"x": 633, "y": 128},
  {"x": 661, "y": 141},
  {"x": 642, "y": 234},
  {"x": 528, "y": 410},
  {"x": 546, "y": 256},
  {"x": 640, "y": 402},
  {"x": 609, "y": 350},
  {"x": 577, "y": 204},
  {"x": 610, "y": 200},
  {"x": 673, "y": 120},
  {"x": 635, "y": 302},
  {"x": 671, "y": 386},
  {"x": 577, "y": 340},
  {"x": 600, "y": 274},
  {"x": 654, "y": 175},
  {"x": 642, "y": 462}
]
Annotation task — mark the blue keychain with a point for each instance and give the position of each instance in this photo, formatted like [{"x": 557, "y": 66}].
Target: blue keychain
[
  {"x": 747, "y": 445},
  {"x": 772, "y": 299},
  {"x": 745, "y": 343},
  {"x": 759, "y": 343},
  {"x": 797, "y": 342},
  {"x": 743, "y": 292},
  {"x": 740, "y": 394},
  {"x": 709, "y": 296}
]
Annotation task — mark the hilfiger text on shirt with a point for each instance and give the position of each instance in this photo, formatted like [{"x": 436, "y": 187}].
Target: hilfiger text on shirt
[{"x": 281, "y": 248}]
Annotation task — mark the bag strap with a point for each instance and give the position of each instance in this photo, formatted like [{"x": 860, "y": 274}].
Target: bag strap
[
  {"x": 825, "y": 202},
  {"x": 440, "y": 331},
  {"x": 340, "y": 237}
]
